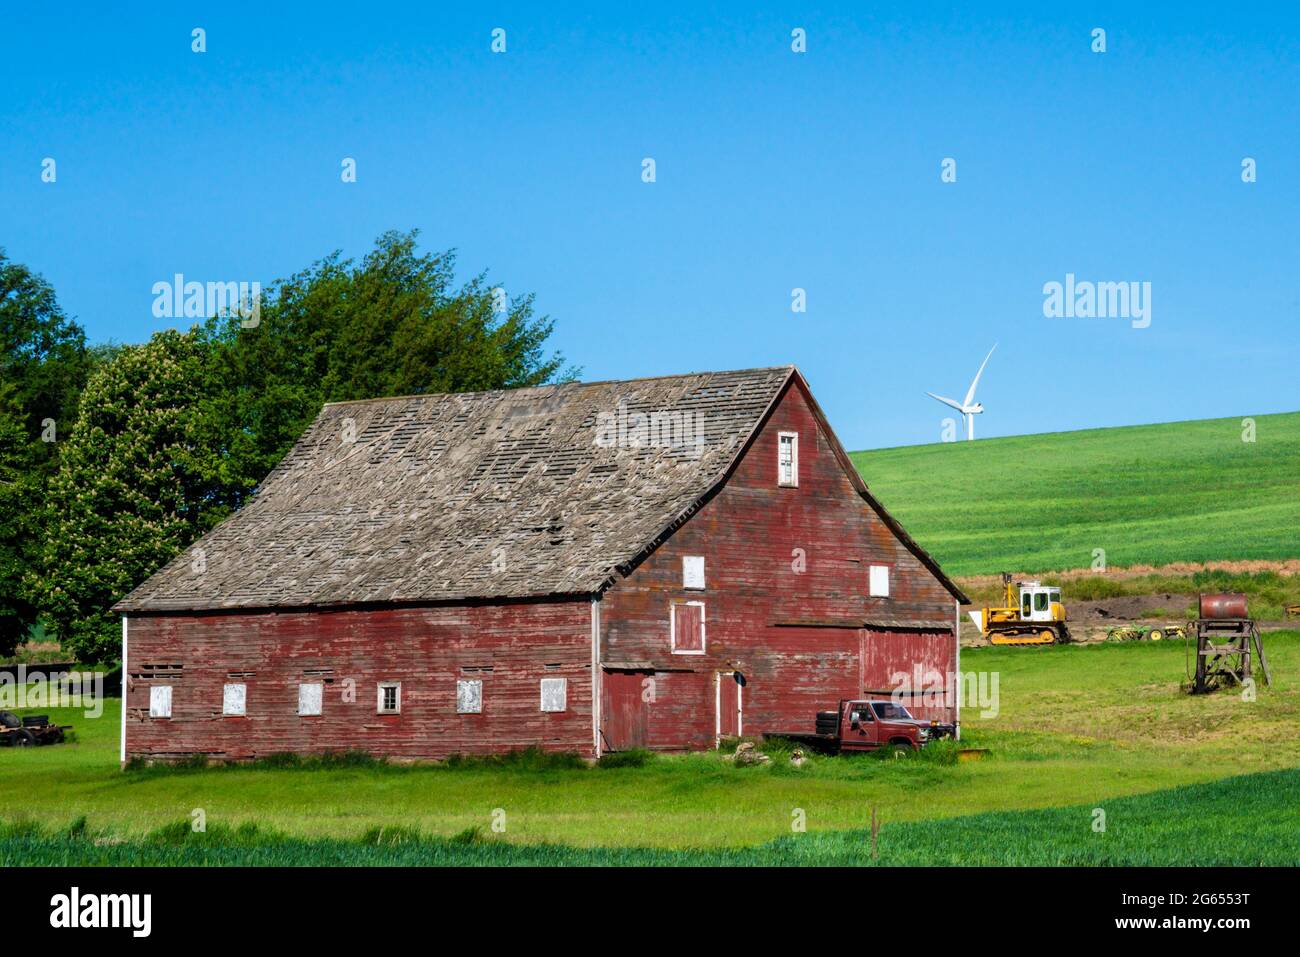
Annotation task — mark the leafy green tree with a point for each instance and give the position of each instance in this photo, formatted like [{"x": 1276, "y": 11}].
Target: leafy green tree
[
  {"x": 43, "y": 354},
  {"x": 19, "y": 495},
  {"x": 43, "y": 366},
  {"x": 135, "y": 485}
]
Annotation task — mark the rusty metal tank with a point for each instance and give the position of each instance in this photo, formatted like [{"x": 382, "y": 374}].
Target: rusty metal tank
[{"x": 1225, "y": 605}]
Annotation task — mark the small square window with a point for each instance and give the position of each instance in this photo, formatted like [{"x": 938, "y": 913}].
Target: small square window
[
  {"x": 160, "y": 701},
  {"x": 469, "y": 696},
  {"x": 693, "y": 571},
  {"x": 390, "y": 697},
  {"x": 878, "y": 579},
  {"x": 787, "y": 459},
  {"x": 555, "y": 694},
  {"x": 234, "y": 699},
  {"x": 309, "y": 698}
]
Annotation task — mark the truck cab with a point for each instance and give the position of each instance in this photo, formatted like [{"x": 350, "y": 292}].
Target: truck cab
[{"x": 866, "y": 725}]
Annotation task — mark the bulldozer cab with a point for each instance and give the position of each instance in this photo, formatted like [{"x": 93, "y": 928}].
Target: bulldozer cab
[{"x": 1036, "y": 602}]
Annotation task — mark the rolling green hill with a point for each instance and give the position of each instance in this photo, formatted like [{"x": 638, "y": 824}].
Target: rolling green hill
[{"x": 1147, "y": 494}]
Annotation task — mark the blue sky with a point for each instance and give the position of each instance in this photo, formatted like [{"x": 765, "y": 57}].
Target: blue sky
[{"x": 775, "y": 170}]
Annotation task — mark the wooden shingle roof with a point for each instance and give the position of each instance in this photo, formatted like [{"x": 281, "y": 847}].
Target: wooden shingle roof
[{"x": 505, "y": 494}]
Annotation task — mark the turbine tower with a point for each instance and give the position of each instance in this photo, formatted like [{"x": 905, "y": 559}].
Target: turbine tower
[{"x": 969, "y": 408}]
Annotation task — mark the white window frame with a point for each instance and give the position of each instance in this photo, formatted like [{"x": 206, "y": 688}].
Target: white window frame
[
  {"x": 228, "y": 696},
  {"x": 794, "y": 459},
  {"x": 160, "y": 701},
  {"x": 379, "y": 697},
  {"x": 304, "y": 702},
  {"x": 564, "y": 695},
  {"x": 693, "y": 572},
  {"x": 672, "y": 629},
  {"x": 876, "y": 587},
  {"x": 468, "y": 682}
]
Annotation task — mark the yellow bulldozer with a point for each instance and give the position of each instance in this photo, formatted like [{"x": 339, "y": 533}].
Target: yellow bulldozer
[{"x": 1032, "y": 614}]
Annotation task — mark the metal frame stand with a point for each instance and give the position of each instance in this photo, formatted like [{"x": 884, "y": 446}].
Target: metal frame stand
[{"x": 1224, "y": 650}]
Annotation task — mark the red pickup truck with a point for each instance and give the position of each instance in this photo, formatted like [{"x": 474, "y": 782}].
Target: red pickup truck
[{"x": 865, "y": 725}]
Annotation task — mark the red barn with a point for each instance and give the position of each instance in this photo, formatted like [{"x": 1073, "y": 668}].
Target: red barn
[{"x": 584, "y": 567}]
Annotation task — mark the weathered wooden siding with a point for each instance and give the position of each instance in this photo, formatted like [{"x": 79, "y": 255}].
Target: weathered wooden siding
[
  {"x": 426, "y": 649},
  {"x": 785, "y": 598},
  {"x": 926, "y": 657}
]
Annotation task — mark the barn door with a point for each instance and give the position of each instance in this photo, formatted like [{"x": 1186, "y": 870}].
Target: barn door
[
  {"x": 730, "y": 707},
  {"x": 623, "y": 709},
  {"x": 928, "y": 661}
]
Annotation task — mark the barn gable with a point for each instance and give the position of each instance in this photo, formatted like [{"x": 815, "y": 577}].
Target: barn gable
[
  {"x": 788, "y": 589},
  {"x": 826, "y": 435}
]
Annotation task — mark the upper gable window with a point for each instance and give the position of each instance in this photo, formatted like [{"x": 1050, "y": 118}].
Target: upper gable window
[
  {"x": 787, "y": 459},
  {"x": 878, "y": 581},
  {"x": 693, "y": 571},
  {"x": 389, "y": 698}
]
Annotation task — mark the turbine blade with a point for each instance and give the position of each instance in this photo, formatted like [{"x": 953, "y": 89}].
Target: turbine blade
[
  {"x": 950, "y": 402},
  {"x": 976, "y": 381}
]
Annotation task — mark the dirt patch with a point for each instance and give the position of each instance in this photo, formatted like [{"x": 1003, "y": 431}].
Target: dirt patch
[
  {"x": 1286, "y": 568},
  {"x": 1124, "y": 608}
]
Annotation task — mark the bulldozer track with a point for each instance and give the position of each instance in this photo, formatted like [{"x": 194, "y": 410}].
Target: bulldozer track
[{"x": 1029, "y": 635}]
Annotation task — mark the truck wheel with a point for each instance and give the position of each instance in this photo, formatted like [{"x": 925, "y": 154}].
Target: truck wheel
[
  {"x": 900, "y": 749},
  {"x": 24, "y": 739}
]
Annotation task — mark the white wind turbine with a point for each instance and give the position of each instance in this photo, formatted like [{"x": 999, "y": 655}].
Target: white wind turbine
[{"x": 969, "y": 407}]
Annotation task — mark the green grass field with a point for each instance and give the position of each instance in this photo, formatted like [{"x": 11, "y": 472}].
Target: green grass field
[
  {"x": 1148, "y": 494},
  {"x": 1243, "y": 821},
  {"x": 1078, "y": 727}
]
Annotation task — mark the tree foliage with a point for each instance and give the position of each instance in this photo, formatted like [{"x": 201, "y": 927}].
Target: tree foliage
[
  {"x": 133, "y": 488},
  {"x": 43, "y": 354},
  {"x": 19, "y": 495},
  {"x": 43, "y": 366}
]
